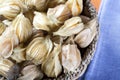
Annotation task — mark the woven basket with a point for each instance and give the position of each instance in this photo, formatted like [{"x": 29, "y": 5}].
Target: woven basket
[{"x": 89, "y": 11}]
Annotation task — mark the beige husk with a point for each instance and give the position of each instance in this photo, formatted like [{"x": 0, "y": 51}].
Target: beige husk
[
  {"x": 52, "y": 66},
  {"x": 22, "y": 27},
  {"x": 8, "y": 41},
  {"x": 38, "y": 49},
  {"x": 19, "y": 54},
  {"x": 59, "y": 14},
  {"x": 76, "y": 6},
  {"x": 2, "y": 28},
  {"x": 55, "y": 2},
  {"x": 70, "y": 57},
  {"x": 5, "y": 66},
  {"x": 71, "y": 27},
  {"x": 85, "y": 37},
  {"x": 31, "y": 72}
]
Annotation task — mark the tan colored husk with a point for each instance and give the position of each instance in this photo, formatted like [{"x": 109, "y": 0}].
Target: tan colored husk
[
  {"x": 9, "y": 11},
  {"x": 59, "y": 14},
  {"x": 85, "y": 19},
  {"x": 30, "y": 15},
  {"x": 22, "y": 27},
  {"x": 76, "y": 6},
  {"x": 9, "y": 33},
  {"x": 7, "y": 22},
  {"x": 41, "y": 21},
  {"x": 71, "y": 27},
  {"x": 40, "y": 5},
  {"x": 53, "y": 3},
  {"x": 11, "y": 8},
  {"x": 70, "y": 57},
  {"x": 2, "y": 28},
  {"x": 38, "y": 49},
  {"x": 2, "y": 1},
  {"x": 19, "y": 54},
  {"x": 28, "y": 3},
  {"x": 5, "y": 66},
  {"x": 52, "y": 66},
  {"x": 38, "y": 33},
  {"x": 85, "y": 37},
  {"x": 31, "y": 72},
  {"x": 89, "y": 11},
  {"x": 9, "y": 40},
  {"x": 57, "y": 39},
  {"x": 2, "y": 78},
  {"x": 6, "y": 48}
]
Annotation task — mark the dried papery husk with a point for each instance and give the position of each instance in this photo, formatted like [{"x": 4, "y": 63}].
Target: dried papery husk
[
  {"x": 19, "y": 54},
  {"x": 57, "y": 39},
  {"x": 85, "y": 37},
  {"x": 92, "y": 24},
  {"x": 9, "y": 40},
  {"x": 85, "y": 19},
  {"x": 23, "y": 7},
  {"x": 59, "y": 14},
  {"x": 52, "y": 66},
  {"x": 2, "y": 78},
  {"x": 70, "y": 40},
  {"x": 71, "y": 27},
  {"x": 76, "y": 6},
  {"x": 16, "y": 2},
  {"x": 42, "y": 22},
  {"x": 31, "y": 72},
  {"x": 38, "y": 49},
  {"x": 9, "y": 11},
  {"x": 11, "y": 8},
  {"x": 2, "y": 28},
  {"x": 13, "y": 73},
  {"x": 28, "y": 3},
  {"x": 22, "y": 27},
  {"x": 53, "y": 3},
  {"x": 6, "y": 48},
  {"x": 7, "y": 22},
  {"x": 30, "y": 15},
  {"x": 10, "y": 34},
  {"x": 5, "y": 66},
  {"x": 70, "y": 57},
  {"x": 5, "y": 1},
  {"x": 2, "y": 18},
  {"x": 38, "y": 33},
  {"x": 2, "y": 1},
  {"x": 40, "y": 5}
]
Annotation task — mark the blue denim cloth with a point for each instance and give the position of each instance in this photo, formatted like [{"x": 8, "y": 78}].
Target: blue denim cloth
[{"x": 106, "y": 61}]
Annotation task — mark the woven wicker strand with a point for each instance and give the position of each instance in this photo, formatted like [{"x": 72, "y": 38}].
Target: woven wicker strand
[{"x": 89, "y": 10}]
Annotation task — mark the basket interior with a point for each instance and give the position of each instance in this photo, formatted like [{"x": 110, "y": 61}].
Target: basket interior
[{"x": 86, "y": 53}]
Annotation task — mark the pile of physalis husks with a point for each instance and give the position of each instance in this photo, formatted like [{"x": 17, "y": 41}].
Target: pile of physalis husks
[{"x": 41, "y": 37}]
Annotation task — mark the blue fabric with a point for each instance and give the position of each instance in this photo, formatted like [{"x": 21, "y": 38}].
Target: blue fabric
[{"x": 106, "y": 62}]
